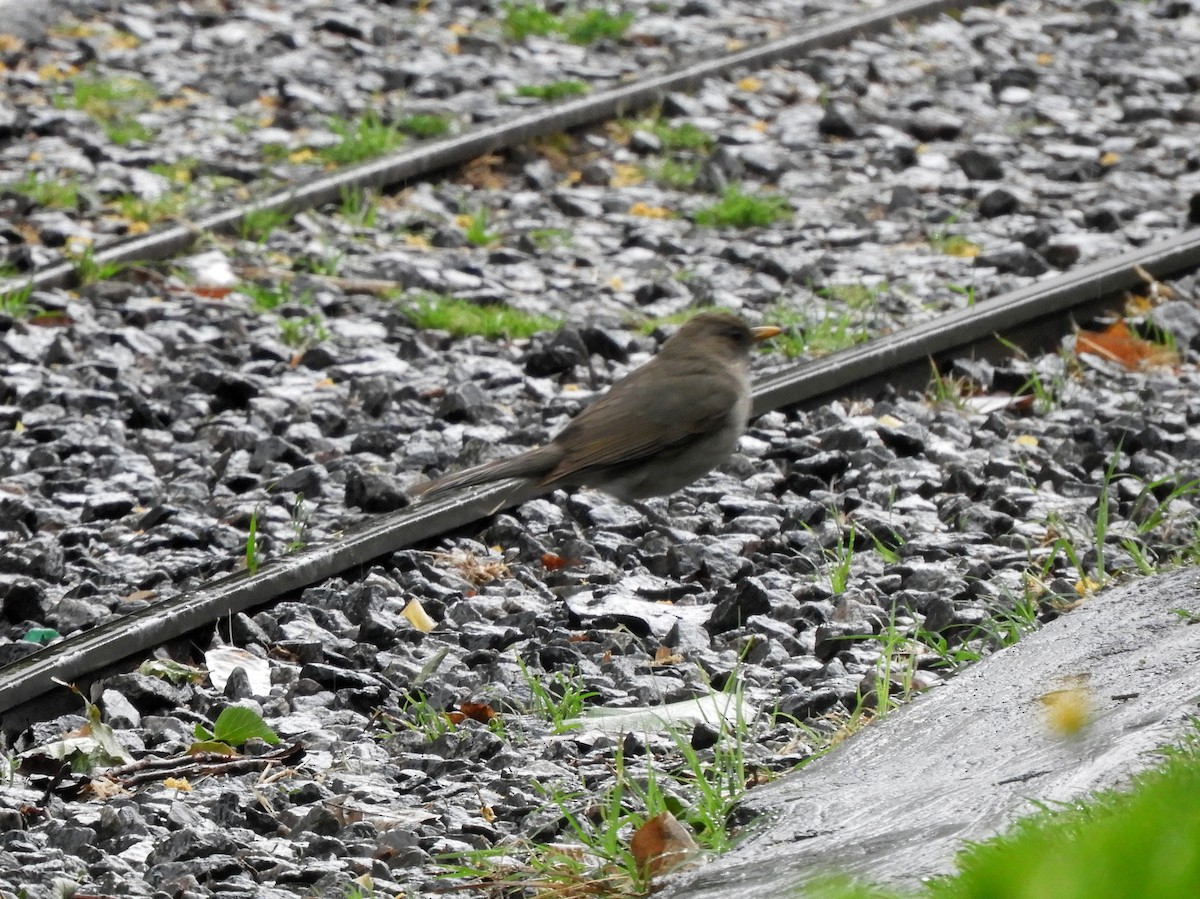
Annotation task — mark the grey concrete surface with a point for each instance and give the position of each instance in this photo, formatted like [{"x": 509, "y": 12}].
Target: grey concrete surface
[
  {"x": 895, "y": 802},
  {"x": 27, "y": 18}
]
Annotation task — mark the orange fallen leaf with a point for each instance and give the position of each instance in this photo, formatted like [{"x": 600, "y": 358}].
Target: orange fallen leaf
[
  {"x": 553, "y": 561},
  {"x": 661, "y": 843},
  {"x": 1118, "y": 343},
  {"x": 477, "y": 711},
  {"x": 212, "y": 293}
]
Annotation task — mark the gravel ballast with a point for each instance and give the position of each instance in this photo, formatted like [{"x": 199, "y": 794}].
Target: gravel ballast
[{"x": 149, "y": 418}]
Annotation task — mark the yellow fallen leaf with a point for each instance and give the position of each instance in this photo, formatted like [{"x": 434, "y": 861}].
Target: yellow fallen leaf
[
  {"x": 418, "y": 617},
  {"x": 650, "y": 212},
  {"x": 1067, "y": 712},
  {"x": 625, "y": 175}
]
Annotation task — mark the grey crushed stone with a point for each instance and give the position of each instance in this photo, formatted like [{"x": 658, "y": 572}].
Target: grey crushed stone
[{"x": 194, "y": 410}]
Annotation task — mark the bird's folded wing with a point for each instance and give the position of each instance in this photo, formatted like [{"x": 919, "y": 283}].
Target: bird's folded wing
[{"x": 620, "y": 432}]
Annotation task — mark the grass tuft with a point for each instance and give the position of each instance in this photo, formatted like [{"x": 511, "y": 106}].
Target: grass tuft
[
  {"x": 463, "y": 318},
  {"x": 738, "y": 209},
  {"x": 424, "y": 125},
  {"x": 113, "y": 104},
  {"x": 555, "y": 90},
  {"x": 361, "y": 139},
  {"x": 524, "y": 20}
]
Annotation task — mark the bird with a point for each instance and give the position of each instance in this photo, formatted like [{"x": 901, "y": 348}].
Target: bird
[{"x": 655, "y": 431}]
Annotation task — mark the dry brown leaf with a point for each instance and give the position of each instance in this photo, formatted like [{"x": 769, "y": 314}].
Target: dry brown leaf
[
  {"x": 475, "y": 569},
  {"x": 482, "y": 172},
  {"x": 51, "y": 320},
  {"x": 1119, "y": 344},
  {"x": 477, "y": 711},
  {"x": 661, "y": 843},
  {"x": 102, "y": 788},
  {"x": 664, "y": 655},
  {"x": 553, "y": 561}
]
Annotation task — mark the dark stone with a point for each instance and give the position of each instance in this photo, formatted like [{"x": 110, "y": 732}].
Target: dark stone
[
  {"x": 374, "y": 492},
  {"x": 22, "y": 599},
  {"x": 1014, "y": 258},
  {"x": 808, "y": 703},
  {"x": 105, "y": 506},
  {"x": 835, "y": 636},
  {"x": 17, "y": 512},
  {"x": 149, "y": 694},
  {"x": 931, "y": 124},
  {"x": 464, "y": 402},
  {"x": 839, "y": 122},
  {"x": 307, "y": 480},
  {"x": 980, "y": 166},
  {"x": 14, "y": 652},
  {"x": 39, "y": 557},
  {"x": 606, "y": 343},
  {"x": 997, "y": 202},
  {"x": 379, "y": 441},
  {"x": 748, "y": 597},
  {"x": 903, "y": 197},
  {"x": 823, "y": 465},
  {"x": 556, "y": 353},
  {"x": 1107, "y": 217},
  {"x": 575, "y": 206},
  {"x": 1061, "y": 253}
]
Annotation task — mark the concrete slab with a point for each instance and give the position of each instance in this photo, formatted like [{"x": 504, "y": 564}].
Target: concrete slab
[
  {"x": 28, "y": 19},
  {"x": 896, "y": 801}
]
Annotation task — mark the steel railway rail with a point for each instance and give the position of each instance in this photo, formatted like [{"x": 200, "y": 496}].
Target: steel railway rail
[
  {"x": 408, "y": 165},
  {"x": 25, "y": 685},
  {"x": 1038, "y": 315}
]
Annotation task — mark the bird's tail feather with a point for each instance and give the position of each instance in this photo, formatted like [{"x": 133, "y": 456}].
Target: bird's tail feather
[{"x": 533, "y": 464}]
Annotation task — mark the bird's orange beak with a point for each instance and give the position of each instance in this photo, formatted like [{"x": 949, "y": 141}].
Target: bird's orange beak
[{"x": 765, "y": 332}]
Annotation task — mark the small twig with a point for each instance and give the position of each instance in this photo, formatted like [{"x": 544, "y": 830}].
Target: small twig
[
  {"x": 208, "y": 764},
  {"x": 375, "y": 286}
]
